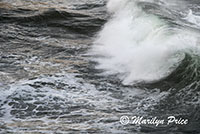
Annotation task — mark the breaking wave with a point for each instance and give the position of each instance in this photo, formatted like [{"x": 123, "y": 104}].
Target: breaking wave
[{"x": 139, "y": 46}]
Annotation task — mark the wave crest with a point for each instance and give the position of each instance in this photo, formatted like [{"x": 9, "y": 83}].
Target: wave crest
[{"x": 140, "y": 47}]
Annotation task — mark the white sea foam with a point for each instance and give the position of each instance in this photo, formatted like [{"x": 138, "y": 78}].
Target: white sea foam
[
  {"x": 139, "y": 46},
  {"x": 195, "y": 19}
]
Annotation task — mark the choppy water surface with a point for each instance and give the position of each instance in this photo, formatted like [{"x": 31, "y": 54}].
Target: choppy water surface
[{"x": 77, "y": 66}]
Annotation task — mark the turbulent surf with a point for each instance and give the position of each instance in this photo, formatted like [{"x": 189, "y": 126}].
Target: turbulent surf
[
  {"x": 140, "y": 46},
  {"x": 79, "y": 66}
]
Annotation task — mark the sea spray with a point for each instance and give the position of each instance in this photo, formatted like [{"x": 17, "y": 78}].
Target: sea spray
[{"x": 139, "y": 47}]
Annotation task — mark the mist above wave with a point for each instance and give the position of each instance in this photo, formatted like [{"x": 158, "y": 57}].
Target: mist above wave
[{"x": 140, "y": 47}]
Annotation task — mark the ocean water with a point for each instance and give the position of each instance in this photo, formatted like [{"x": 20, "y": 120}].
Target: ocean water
[{"x": 78, "y": 66}]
